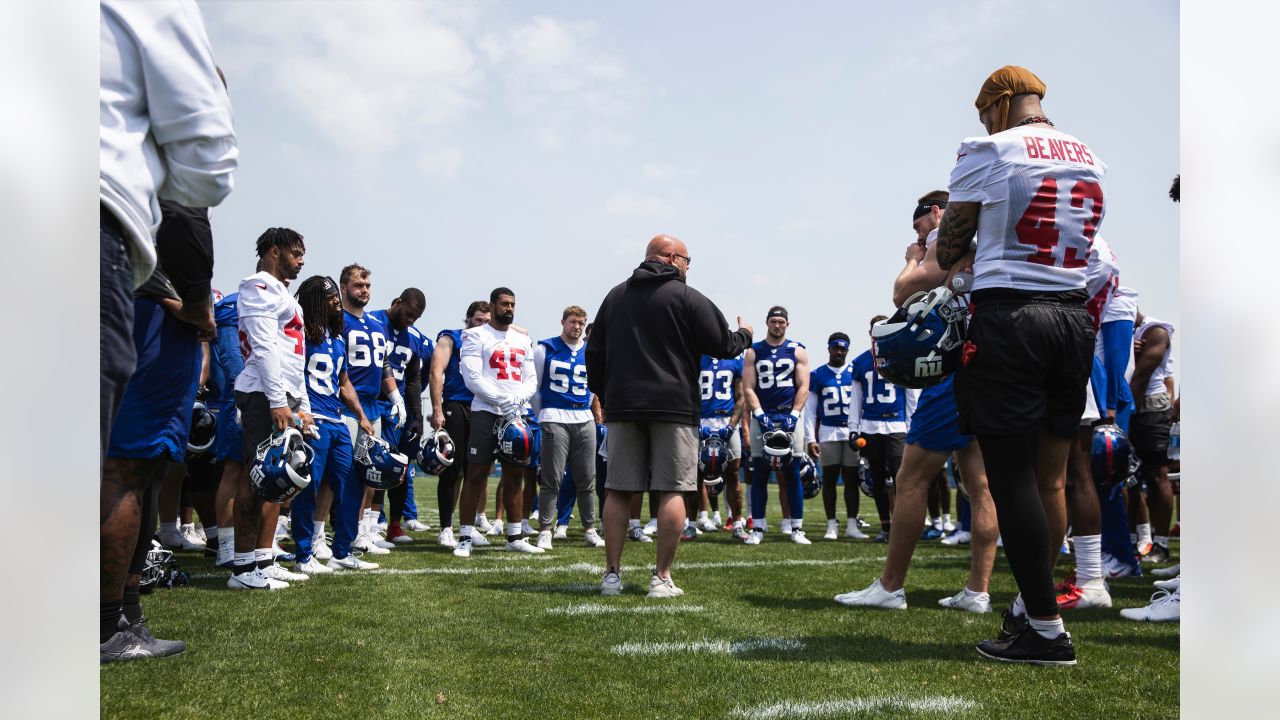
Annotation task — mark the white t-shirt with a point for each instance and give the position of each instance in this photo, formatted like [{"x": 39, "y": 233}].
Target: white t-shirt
[
  {"x": 1122, "y": 306},
  {"x": 1102, "y": 277},
  {"x": 272, "y": 341},
  {"x": 1042, "y": 202},
  {"x": 497, "y": 366},
  {"x": 1165, "y": 369}
]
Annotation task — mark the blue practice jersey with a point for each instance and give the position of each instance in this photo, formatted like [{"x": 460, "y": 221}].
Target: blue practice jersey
[
  {"x": 833, "y": 390},
  {"x": 224, "y": 352},
  {"x": 716, "y": 380},
  {"x": 776, "y": 375},
  {"x": 881, "y": 399},
  {"x": 403, "y": 346},
  {"x": 325, "y": 361},
  {"x": 455, "y": 390},
  {"x": 562, "y": 379},
  {"x": 366, "y": 339}
]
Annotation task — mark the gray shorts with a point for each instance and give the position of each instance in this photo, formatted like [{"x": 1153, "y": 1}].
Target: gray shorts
[
  {"x": 838, "y": 452},
  {"x": 657, "y": 456},
  {"x": 757, "y": 439}
]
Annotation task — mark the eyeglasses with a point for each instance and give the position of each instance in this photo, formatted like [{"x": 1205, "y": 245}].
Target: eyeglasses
[{"x": 687, "y": 260}]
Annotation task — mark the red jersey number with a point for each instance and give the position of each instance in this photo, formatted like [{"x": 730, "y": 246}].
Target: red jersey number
[
  {"x": 507, "y": 362},
  {"x": 1038, "y": 226},
  {"x": 293, "y": 329}
]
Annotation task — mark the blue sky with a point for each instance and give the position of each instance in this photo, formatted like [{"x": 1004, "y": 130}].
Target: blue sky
[{"x": 457, "y": 147}]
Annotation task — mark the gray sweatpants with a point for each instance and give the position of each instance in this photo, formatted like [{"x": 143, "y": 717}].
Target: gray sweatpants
[{"x": 575, "y": 446}]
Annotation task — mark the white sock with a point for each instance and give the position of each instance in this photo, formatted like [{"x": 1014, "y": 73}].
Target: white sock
[
  {"x": 211, "y": 533},
  {"x": 227, "y": 540},
  {"x": 1048, "y": 629},
  {"x": 740, "y": 522},
  {"x": 702, "y": 514},
  {"x": 786, "y": 525},
  {"x": 480, "y": 518},
  {"x": 281, "y": 520},
  {"x": 633, "y": 523},
  {"x": 936, "y": 522},
  {"x": 168, "y": 528},
  {"x": 1161, "y": 540},
  {"x": 243, "y": 559},
  {"x": 262, "y": 554},
  {"x": 688, "y": 523},
  {"x": 946, "y": 518},
  {"x": 513, "y": 528},
  {"x": 975, "y": 594},
  {"x": 1018, "y": 609},
  {"x": 1144, "y": 533},
  {"x": 317, "y": 528},
  {"x": 716, "y": 517},
  {"x": 1088, "y": 558},
  {"x": 797, "y": 524},
  {"x": 466, "y": 532},
  {"x": 832, "y": 524}
]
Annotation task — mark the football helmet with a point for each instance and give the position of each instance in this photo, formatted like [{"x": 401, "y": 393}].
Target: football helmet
[
  {"x": 410, "y": 443},
  {"x": 281, "y": 466},
  {"x": 713, "y": 455},
  {"x": 435, "y": 452},
  {"x": 376, "y": 464},
  {"x": 514, "y": 439},
  {"x": 922, "y": 343},
  {"x": 865, "y": 482},
  {"x": 204, "y": 430},
  {"x": 1111, "y": 457},
  {"x": 777, "y": 447},
  {"x": 810, "y": 477},
  {"x": 155, "y": 567}
]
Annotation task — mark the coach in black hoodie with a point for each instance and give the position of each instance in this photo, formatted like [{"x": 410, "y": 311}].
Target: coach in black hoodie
[{"x": 643, "y": 361}]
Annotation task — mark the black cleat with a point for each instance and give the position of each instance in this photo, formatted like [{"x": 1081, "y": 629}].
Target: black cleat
[
  {"x": 1158, "y": 554},
  {"x": 1029, "y": 646},
  {"x": 135, "y": 642},
  {"x": 882, "y": 537},
  {"x": 1011, "y": 625}
]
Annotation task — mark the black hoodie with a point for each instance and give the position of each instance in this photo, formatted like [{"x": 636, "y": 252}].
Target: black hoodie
[{"x": 647, "y": 344}]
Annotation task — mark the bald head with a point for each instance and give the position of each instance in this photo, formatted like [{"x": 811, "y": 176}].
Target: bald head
[{"x": 662, "y": 246}]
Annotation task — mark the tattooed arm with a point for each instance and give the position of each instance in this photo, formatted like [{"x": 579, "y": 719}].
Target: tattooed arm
[{"x": 959, "y": 224}]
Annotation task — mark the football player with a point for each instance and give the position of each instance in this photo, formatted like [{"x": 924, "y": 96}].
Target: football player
[
  {"x": 775, "y": 383},
  {"x": 720, "y": 382},
  {"x": 408, "y": 352},
  {"x": 932, "y": 436},
  {"x": 826, "y": 430},
  {"x": 497, "y": 367},
  {"x": 1032, "y": 198},
  {"x": 1149, "y": 432},
  {"x": 451, "y": 411},
  {"x": 226, "y": 357}
]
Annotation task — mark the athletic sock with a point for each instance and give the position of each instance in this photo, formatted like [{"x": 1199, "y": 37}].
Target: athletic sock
[
  {"x": 786, "y": 525},
  {"x": 1018, "y": 609},
  {"x": 211, "y": 533},
  {"x": 1048, "y": 629},
  {"x": 466, "y": 532},
  {"x": 514, "y": 530},
  {"x": 946, "y": 518},
  {"x": 110, "y": 622},
  {"x": 975, "y": 594},
  {"x": 227, "y": 540},
  {"x": 263, "y": 558},
  {"x": 1088, "y": 558},
  {"x": 797, "y": 524},
  {"x": 244, "y": 562},
  {"x": 317, "y": 529},
  {"x": 739, "y": 522},
  {"x": 132, "y": 605},
  {"x": 1144, "y": 533},
  {"x": 633, "y": 523},
  {"x": 702, "y": 515}
]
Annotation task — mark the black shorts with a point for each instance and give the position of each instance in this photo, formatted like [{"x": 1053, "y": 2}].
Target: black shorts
[
  {"x": 884, "y": 455},
  {"x": 1026, "y": 363},
  {"x": 1149, "y": 433},
  {"x": 255, "y": 418},
  {"x": 482, "y": 444},
  {"x": 457, "y": 422}
]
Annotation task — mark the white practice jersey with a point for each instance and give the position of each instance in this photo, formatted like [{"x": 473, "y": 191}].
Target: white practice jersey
[
  {"x": 1042, "y": 203},
  {"x": 1165, "y": 369},
  {"x": 498, "y": 367},
  {"x": 1102, "y": 277},
  {"x": 1123, "y": 305},
  {"x": 271, "y": 340}
]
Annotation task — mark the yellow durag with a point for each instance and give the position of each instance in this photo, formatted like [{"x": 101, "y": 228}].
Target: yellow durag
[{"x": 1003, "y": 84}]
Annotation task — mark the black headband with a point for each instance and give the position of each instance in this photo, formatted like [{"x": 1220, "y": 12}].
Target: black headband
[
  {"x": 330, "y": 287},
  {"x": 778, "y": 312},
  {"x": 924, "y": 208}
]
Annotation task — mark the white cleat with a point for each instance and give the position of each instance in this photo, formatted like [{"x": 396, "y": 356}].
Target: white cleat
[
  {"x": 659, "y": 588},
  {"x": 1171, "y": 584},
  {"x": 446, "y": 538},
  {"x": 875, "y": 596},
  {"x": 176, "y": 541},
  {"x": 651, "y": 527},
  {"x": 351, "y": 562},
  {"x": 277, "y": 572},
  {"x": 963, "y": 601},
  {"x": 797, "y": 537},
  {"x": 544, "y": 540},
  {"x": 948, "y": 527},
  {"x": 1166, "y": 572},
  {"x": 483, "y": 524},
  {"x": 416, "y": 525},
  {"x": 463, "y": 550},
  {"x": 562, "y": 533},
  {"x": 611, "y": 585},
  {"x": 479, "y": 540},
  {"x": 961, "y": 537},
  {"x": 1165, "y": 607},
  {"x": 312, "y": 566},
  {"x": 637, "y": 534},
  {"x": 592, "y": 538},
  {"x": 254, "y": 580},
  {"x": 706, "y": 524},
  {"x": 320, "y": 549},
  {"x": 523, "y": 546},
  {"x": 852, "y": 531},
  {"x": 525, "y": 528},
  {"x": 366, "y": 544},
  {"x": 754, "y": 537},
  {"x": 380, "y": 541},
  {"x": 194, "y": 533}
]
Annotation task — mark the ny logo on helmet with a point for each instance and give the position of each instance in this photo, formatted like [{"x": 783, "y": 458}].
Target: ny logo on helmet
[
  {"x": 928, "y": 367},
  {"x": 256, "y": 474}
]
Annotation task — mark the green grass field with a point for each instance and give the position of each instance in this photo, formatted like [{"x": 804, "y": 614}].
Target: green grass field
[{"x": 756, "y": 636}]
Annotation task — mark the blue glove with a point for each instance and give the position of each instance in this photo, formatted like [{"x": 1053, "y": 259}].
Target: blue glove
[
  {"x": 788, "y": 422},
  {"x": 765, "y": 422}
]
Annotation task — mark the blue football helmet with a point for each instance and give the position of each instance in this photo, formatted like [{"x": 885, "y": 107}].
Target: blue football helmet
[
  {"x": 281, "y": 466},
  {"x": 1111, "y": 457},
  {"x": 376, "y": 464},
  {"x": 204, "y": 430},
  {"x": 410, "y": 444},
  {"x": 810, "y": 477},
  {"x": 865, "y": 482},
  {"x": 921, "y": 344},
  {"x": 436, "y": 452},
  {"x": 514, "y": 439},
  {"x": 777, "y": 447},
  {"x": 713, "y": 455}
]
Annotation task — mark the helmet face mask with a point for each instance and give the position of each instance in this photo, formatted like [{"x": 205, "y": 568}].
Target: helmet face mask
[
  {"x": 922, "y": 343},
  {"x": 713, "y": 455},
  {"x": 282, "y": 466},
  {"x": 810, "y": 477},
  {"x": 379, "y": 467},
  {"x": 777, "y": 447},
  {"x": 204, "y": 430},
  {"x": 436, "y": 452}
]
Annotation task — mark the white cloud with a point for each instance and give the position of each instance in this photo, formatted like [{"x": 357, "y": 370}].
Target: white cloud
[
  {"x": 628, "y": 203},
  {"x": 440, "y": 163}
]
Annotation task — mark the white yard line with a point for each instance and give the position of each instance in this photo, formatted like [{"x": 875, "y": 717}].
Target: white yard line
[
  {"x": 604, "y": 609},
  {"x": 713, "y": 647},
  {"x": 879, "y": 706}
]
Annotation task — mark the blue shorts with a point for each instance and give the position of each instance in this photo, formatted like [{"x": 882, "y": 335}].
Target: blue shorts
[
  {"x": 155, "y": 412},
  {"x": 230, "y": 435},
  {"x": 535, "y": 457},
  {"x": 936, "y": 423}
]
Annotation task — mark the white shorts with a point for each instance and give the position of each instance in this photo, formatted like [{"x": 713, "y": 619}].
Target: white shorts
[
  {"x": 1091, "y": 413},
  {"x": 757, "y": 439}
]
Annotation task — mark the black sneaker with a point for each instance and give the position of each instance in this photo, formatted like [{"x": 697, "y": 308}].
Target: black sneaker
[
  {"x": 1158, "y": 554},
  {"x": 1029, "y": 646},
  {"x": 1011, "y": 625},
  {"x": 882, "y": 537},
  {"x": 135, "y": 642}
]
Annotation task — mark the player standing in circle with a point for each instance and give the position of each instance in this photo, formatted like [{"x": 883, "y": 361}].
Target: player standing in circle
[
  {"x": 271, "y": 391},
  {"x": 775, "y": 382},
  {"x": 497, "y": 366},
  {"x": 831, "y": 390},
  {"x": 720, "y": 382},
  {"x": 1149, "y": 431},
  {"x": 1033, "y": 197},
  {"x": 451, "y": 410}
]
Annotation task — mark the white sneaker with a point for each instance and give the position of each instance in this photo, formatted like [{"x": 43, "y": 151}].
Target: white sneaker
[
  {"x": 367, "y": 544},
  {"x": 282, "y": 526},
  {"x": 851, "y": 530},
  {"x": 495, "y": 529},
  {"x": 416, "y": 525},
  {"x": 198, "y": 532},
  {"x": 1166, "y": 572},
  {"x": 706, "y": 524},
  {"x": 948, "y": 527},
  {"x": 611, "y": 585},
  {"x": 479, "y": 540},
  {"x": 715, "y": 518},
  {"x": 483, "y": 524},
  {"x": 754, "y": 537},
  {"x": 277, "y": 572},
  {"x": 798, "y": 538},
  {"x": 875, "y": 596},
  {"x": 1083, "y": 597},
  {"x": 1165, "y": 607},
  {"x": 1114, "y": 568},
  {"x": 961, "y": 537},
  {"x": 178, "y": 542},
  {"x": 533, "y": 516},
  {"x": 561, "y": 533},
  {"x": 544, "y": 540},
  {"x": 351, "y": 562},
  {"x": 1171, "y": 584},
  {"x": 446, "y": 538},
  {"x": 963, "y": 601},
  {"x": 381, "y": 541},
  {"x": 312, "y": 566},
  {"x": 254, "y": 580},
  {"x": 192, "y": 532},
  {"x": 651, "y": 527},
  {"x": 636, "y": 533},
  {"x": 463, "y": 549},
  {"x": 659, "y": 588},
  {"x": 592, "y": 538},
  {"x": 522, "y": 545},
  {"x": 525, "y": 528},
  {"x": 320, "y": 549}
]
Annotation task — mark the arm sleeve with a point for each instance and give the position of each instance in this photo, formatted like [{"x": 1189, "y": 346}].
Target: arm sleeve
[
  {"x": 810, "y": 415},
  {"x": 304, "y": 399},
  {"x": 261, "y": 331},
  {"x": 413, "y": 387},
  {"x": 529, "y": 375},
  {"x": 712, "y": 331},
  {"x": 974, "y": 162},
  {"x": 539, "y": 361},
  {"x": 855, "y": 409},
  {"x": 226, "y": 353},
  {"x": 473, "y": 373},
  {"x": 913, "y": 397}
]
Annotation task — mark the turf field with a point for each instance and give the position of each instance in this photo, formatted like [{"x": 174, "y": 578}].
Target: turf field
[{"x": 756, "y": 636}]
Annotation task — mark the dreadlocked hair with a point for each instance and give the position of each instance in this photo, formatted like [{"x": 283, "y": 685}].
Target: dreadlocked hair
[
  {"x": 1175, "y": 190},
  {"x": 280, "y": 237},
  {"x": 318, "y": 315}
]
